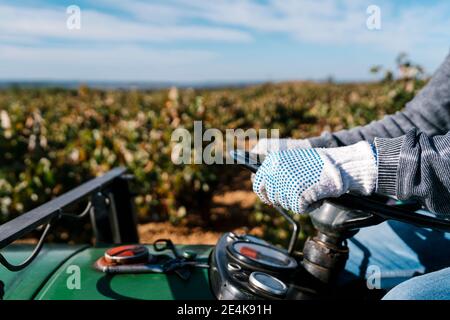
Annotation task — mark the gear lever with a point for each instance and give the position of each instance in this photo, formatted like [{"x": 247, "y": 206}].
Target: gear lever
[
  {"x": 325, "y": 254},
  {"x": 338, "y": 219}
]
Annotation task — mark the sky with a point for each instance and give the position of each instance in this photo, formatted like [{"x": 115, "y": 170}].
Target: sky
[{"x": 216, "y": 40}]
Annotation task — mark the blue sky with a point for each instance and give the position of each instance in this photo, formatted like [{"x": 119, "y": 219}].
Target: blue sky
[{"x": 206, "y": 40}]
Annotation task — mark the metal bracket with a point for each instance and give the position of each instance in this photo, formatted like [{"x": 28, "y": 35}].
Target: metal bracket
[{"x": 295, "y": 229}]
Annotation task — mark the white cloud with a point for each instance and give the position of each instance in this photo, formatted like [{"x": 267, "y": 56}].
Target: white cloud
[
  {"x": 96, "y": 26},
  {"x": 135, "y": 39},
  {"x": 339, "y": 22}
]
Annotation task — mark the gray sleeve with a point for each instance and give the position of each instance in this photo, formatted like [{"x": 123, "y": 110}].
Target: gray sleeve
[
  {"x": 429, "y": 111},
  {"x": 416, "y": 166}
]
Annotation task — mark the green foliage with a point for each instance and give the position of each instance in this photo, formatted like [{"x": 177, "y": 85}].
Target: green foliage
[{"x": 51, "y": 140}]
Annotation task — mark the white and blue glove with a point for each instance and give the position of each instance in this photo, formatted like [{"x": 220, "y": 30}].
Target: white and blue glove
[{"x": 297, "y": 179}]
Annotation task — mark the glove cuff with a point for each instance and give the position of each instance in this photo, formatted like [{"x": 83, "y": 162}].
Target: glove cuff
[{"x": 357, "y": 165}]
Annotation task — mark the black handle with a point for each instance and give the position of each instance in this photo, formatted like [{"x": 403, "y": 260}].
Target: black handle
[
  {"x": 246, "y": 160},
  {"x": 367, "y": 204}
]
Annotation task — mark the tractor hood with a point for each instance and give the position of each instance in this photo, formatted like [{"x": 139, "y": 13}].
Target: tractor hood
[{"x": 66, "y": 272}]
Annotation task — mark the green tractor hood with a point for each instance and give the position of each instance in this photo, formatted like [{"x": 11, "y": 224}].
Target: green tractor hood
[{"x": 65, "y": 272}]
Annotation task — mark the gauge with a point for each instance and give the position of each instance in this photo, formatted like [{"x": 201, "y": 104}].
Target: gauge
[
  {"x": 128, "y": 254},
  {"x": 261, "y": 256},
  {"x": 254, "y": 239},
  {"x": 268, "y": 284}
]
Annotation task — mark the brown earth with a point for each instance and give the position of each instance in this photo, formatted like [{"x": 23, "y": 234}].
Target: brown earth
[
  {"x": 229, "y": 212},
  {"x": 152, "y": 231}
]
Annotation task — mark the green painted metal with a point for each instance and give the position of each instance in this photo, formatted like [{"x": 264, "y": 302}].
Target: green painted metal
[
  {"x": 99, "y": 286},
  {"x": 24, "y": 285}
]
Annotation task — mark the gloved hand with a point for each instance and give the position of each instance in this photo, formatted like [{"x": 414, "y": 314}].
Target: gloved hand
[
  {"x": 297, "y": 179},
  {"x": 264, "y": 146}
]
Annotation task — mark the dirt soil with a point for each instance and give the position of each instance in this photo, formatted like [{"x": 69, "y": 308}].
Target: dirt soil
[
  {"x": 231, "y": 207},
  {"x": 152, "y": 231}
]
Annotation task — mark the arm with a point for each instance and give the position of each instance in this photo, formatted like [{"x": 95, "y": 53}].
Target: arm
[
  {"x": 412, "y": 166},
  {"x": 410, "y": 163},
  {"x": 429, "y": 111},
  {"x": 416, "y": 166}
]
